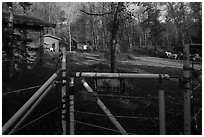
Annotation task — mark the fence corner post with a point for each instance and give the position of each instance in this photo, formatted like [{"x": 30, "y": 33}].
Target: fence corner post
[
  {"x": 64, "y": 93},
  {"x": 187, "y": 88},
  {"x": 71, "y": 105}
]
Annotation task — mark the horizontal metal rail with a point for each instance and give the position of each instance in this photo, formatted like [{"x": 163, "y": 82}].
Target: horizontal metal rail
[
  {"x": 27, "y": 105},
  {"x": 121, "y": 75}
]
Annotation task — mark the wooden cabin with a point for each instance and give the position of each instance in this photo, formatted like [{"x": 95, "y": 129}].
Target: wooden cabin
[
  {"x": 28, "y": 37},
  {"x": 51, "y": 43},
  {"x": 24, "y": 49},
  {"x": 82, "y": 45}
]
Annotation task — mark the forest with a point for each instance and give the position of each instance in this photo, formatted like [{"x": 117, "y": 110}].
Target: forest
[{"x": 125, "y": 25}]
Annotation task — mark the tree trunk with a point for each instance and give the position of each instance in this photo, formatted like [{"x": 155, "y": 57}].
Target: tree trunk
[
  {"x": 140, "y": 41},
  {"x": 155, "y": 43},
  {"x": 103, "y": 37},
  {"x": 10, "y": 43},
  {"x": 91, "y": 9},
  {"x": 145, "y": 38},
  {"x": 114, "y": 30},
  {"x": 113, "y": 44}
]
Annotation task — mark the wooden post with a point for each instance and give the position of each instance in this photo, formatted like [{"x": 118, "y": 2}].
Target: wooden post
[
  {"x": 187, "y": 92},
  {"x": 64, "y": 94},
  {"x": 71, "y": 105},
  {"x": 162, "y": 122},
  {"x": 162, "y": 119}
]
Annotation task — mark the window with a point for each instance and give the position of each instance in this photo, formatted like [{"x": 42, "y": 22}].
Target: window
[{"x": 53, "y": 46}]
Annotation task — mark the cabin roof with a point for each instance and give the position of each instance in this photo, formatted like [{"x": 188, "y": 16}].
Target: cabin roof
[
  {"x": 27, "y": 20},
  {"x": 81, "y": 40},
  {"x": 51, "y": 36}
]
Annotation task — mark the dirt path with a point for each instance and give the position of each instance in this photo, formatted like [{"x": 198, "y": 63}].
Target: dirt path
[
  {"x": 161, "y": 62},
  {"x": 90, "y": 59}
]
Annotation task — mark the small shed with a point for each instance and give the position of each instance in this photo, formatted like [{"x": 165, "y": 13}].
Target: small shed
[
  {"x": 51, "y": 43},
  {"x": 82, "y": 45}
]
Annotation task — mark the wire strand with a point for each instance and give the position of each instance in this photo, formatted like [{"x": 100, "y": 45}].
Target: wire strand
[
  {"x": 119, "y": 96},
  {"x": 197, "y": 87},
  {"x": 118, "y": 116},
  {"x": 88, "y": 124},
  {"x": 173, "y": 102},
  {"x": 7, "y": 60},
  {"x": 18, "y": 59},
  {"x": 131, "y": 97},
  {"x": 37, "y": 119},
  {"x": 19, "y": 90},
  {"x": 195, "y": 116}
]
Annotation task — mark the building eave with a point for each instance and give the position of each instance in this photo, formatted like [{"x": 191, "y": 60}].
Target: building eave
[{"x": 51, "y": 36}]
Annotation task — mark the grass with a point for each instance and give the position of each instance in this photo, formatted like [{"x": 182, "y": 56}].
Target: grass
[{"x": 118, "y": 106}]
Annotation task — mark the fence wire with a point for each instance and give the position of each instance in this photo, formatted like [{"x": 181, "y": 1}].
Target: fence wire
[
  {"x": 119, "y": 96},
  {"x": 96, "y": 126},
  {"x": 197, "y": 87},
  {"x": 20, "y": 90},
  {"x": 195, "y": 116},
  {"x": 150, "y": 97},
  {"x": 46, "y": 114},
  {"x": 19, "y": 59},
  {"x": 118, "y": 116},
  {"x": 7, "y": 60}
]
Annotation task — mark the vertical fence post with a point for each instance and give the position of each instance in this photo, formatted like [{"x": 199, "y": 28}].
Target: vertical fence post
[
  {"x": 71, "y": 107},
  {"x": 162, "y": 122},
  {"x": 63, "y": 94},
  {"x": 187, "y": 92}
]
